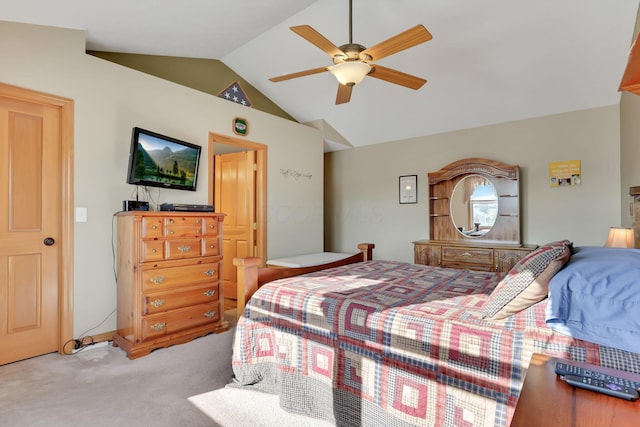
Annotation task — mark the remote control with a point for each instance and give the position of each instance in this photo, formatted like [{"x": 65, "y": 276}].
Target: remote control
[
  {"x": 602, "y": 387},
  {"x": 563, "y": 368}
]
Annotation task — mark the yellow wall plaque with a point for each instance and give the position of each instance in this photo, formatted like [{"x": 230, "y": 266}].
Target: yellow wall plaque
[{"x": 562, "y": 174}]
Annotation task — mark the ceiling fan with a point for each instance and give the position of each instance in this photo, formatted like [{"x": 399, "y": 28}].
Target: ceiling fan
[{"x": 353, "y": 62}]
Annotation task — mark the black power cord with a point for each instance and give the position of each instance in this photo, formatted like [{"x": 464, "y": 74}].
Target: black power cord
[{"x": 76, "y": 345}]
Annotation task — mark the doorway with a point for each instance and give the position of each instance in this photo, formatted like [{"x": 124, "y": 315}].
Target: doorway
[
  {"x": 36, "y": 226},
  {"x": 237, "y": 177}
]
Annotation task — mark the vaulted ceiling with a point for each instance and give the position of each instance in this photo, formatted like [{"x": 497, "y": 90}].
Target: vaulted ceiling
[{"x": 489, "y": 61}]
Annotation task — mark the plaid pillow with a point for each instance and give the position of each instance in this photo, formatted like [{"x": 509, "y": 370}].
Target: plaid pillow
[{"x": 528, "y": 281}]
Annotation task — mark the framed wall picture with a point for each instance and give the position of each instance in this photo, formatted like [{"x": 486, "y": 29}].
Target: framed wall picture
[
  {"x": 240, "y": 126},
  {"x": 408, "y": 189}
]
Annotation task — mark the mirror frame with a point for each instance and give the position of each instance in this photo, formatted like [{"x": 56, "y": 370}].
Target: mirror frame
[{"x": 506, "y": 180}]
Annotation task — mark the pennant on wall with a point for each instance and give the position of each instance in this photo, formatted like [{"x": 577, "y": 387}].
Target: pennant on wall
[{"x": 234, "y": 93}]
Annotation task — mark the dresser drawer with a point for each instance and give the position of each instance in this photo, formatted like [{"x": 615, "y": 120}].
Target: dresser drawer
[
  {"x": 183, "y": 248},
  {"x": 160, "y": 302},
  {"x": 465, "y": 257},
  {"x": 157, "y": 325},
  {"x": 152, "y": 227},
  {"x": 211, "y": 226},
  {"x": 177, "y": 226},
  {"x": 210, "y": 246},
  {"x": 156, "y": 279},
  {"x": 468, "y": 266},
  {"x": 152, "y": 250}
]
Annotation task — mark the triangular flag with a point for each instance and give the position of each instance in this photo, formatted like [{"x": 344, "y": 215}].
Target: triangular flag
[{"x": 234, "y": 93}]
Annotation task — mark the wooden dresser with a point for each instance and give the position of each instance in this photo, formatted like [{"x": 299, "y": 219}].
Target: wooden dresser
[
  {"x": 465, "y": 255},
  {"x": 169, "y": 271},
  {"x": 470, "y": 230}
]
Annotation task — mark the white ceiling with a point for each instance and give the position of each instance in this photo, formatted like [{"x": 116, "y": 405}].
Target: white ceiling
[{"x": 490, "y": 61}]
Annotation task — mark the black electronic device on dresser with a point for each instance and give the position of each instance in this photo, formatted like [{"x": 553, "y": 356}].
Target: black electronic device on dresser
[
  {"x": 180, "y": 207},
  {"x": 134, "y": 205}
]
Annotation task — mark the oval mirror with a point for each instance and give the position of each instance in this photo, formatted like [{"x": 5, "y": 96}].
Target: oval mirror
[{"x": 474, "y": 206}]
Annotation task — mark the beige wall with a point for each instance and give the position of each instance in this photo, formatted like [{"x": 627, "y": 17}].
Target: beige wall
[
  {"x": 629, "y": 145},
  {"x": 207, "y": 75},
  {"x": 109, "y": 100},
  {"x": 629, "y": 152},
  {"x": 361, "y": 185}
]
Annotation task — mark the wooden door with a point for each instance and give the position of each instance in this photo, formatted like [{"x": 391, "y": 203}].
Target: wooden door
[
  {"x": 32, "y": 187},
  {"x": 235, "y": 196}
]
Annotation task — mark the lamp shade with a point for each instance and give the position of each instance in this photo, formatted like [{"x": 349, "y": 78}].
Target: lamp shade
[
  {"x": 351, "y": 72},
  {"x": 620, "y": 238}
]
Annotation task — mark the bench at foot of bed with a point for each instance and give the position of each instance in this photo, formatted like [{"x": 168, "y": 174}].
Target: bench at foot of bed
[{"x": 251, "y": 275}]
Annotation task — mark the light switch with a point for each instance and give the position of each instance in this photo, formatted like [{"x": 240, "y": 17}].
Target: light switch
[{"x": 81, "y": 214}]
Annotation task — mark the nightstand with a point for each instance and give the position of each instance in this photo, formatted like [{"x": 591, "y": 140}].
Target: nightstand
[{"x": 546, "y": 400}]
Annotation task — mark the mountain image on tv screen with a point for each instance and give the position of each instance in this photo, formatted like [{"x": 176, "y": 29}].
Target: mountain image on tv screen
[{"x": 165, "y": 162}]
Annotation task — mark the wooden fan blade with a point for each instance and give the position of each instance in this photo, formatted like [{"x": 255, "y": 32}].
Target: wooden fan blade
[
  {"x": 397, "y": 77},
  {"x": 314, "y": 37},
  {"x": 298, "y": 74},
  {"x": 400, "y": 42},
  {"x": 344, "y": 94}
]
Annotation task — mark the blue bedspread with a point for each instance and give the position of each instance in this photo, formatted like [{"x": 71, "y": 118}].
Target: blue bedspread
[{"x": 596, "y": 297}]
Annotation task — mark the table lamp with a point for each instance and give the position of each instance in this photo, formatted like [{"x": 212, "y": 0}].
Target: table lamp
[{"x": 620, "y": 238}]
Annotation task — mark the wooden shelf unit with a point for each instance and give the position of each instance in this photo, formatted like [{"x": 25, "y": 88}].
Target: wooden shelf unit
[
  {"x": 505, "y": 179},
  {"x": 635, "y": 193}
]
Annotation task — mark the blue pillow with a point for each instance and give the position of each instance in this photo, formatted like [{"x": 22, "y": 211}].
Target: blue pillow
[{"x": 596, "y": 297}]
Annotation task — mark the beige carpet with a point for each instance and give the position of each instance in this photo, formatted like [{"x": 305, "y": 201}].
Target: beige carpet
[{"x": 232, "y": 407}]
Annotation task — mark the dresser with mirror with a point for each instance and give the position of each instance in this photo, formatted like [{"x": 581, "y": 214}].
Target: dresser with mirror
[{"x": 474, "y": 217}]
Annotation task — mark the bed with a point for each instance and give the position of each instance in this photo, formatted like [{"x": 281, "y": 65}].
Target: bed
[{"x": 381, "y": 343}]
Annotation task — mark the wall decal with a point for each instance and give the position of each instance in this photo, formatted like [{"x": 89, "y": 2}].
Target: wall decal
[{"x": 290, "y": 173}]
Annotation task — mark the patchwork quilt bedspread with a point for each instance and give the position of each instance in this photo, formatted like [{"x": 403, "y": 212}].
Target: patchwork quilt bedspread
[{"x": 385, "y": 343}]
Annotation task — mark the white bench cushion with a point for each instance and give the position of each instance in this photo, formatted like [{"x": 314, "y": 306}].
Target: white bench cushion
[{"x": 308, "y": 259}]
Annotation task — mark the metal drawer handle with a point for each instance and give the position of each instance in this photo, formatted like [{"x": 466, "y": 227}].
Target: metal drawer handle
[
  {"x": 209, "y": 273},
  {"x": 210, "y": 293},
  {"x": 466, "y": 254},
  {"x": 157, "y": 302},
  {"x": 185, "y": 248},
  {"x": 209, "y": 314},
  {"x": 154, "y": 227},
  {"x": 154, "y": 250},
  {"x": 157, "y": 280},
  {"x": 158, "y": 326}
]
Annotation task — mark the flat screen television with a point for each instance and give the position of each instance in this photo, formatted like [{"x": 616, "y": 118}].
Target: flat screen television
[{"x": 161, "y": 161}]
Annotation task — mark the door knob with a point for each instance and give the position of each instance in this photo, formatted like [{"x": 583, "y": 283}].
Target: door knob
[{"x": 49, "y": 241}]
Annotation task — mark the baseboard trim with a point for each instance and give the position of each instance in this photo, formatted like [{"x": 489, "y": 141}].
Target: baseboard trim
[{"x": 104, "y": 336}]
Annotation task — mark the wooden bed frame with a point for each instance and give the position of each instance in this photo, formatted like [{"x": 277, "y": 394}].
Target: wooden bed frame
[{"x": 251, "y": 275}]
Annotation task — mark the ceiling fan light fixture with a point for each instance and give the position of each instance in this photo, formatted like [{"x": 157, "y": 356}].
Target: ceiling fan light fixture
[{"x": 350, "y": 73}]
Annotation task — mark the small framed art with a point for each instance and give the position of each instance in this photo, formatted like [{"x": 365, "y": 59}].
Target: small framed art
[
  {"x": 408, "y": 189},
  {"x": 564, "y": 174},
  {"x": 240, "y": 126}
]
